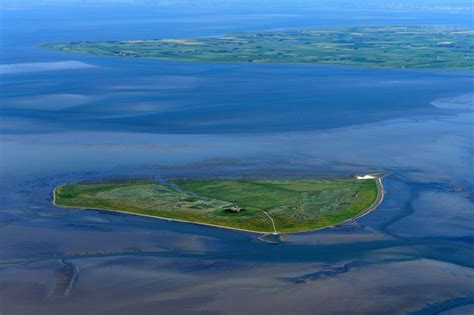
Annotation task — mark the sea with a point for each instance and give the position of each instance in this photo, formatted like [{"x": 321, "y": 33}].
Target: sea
[{"x": 68, "y": 117}]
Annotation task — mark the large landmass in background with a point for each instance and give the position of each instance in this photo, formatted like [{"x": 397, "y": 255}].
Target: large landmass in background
[{"x": 392, "y": 46}]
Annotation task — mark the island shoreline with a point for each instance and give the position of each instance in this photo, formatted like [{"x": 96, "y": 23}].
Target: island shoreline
[
  {"x": 269, "y": 63},
  {"x": 375, "y": 205}
]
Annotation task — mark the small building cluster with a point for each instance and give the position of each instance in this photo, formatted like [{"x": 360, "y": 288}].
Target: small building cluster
[{"x": 236, "y": 209}]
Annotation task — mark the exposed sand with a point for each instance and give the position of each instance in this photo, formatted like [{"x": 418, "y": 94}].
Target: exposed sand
[{"x": 465, "y": 101}]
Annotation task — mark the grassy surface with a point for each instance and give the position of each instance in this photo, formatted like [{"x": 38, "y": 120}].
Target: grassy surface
[
  {"x": 295, "y": 205},
  {"x": 393, "y": 47}
]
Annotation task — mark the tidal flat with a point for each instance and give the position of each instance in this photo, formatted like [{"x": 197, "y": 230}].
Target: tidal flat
[{"x": 127, "y": 118}]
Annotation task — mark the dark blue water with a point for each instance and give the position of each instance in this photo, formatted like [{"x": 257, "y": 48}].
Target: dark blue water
[
  {"x": 158, "y": 97},
  {"x": 68, "y": 117}
]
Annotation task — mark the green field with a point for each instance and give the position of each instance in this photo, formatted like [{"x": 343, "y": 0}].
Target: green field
[
  {"x": 295, "y": 205},
  {"x": 391, "y": 46}
]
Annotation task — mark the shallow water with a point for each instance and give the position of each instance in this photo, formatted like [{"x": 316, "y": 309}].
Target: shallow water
[{"x": 70, "y": 117}]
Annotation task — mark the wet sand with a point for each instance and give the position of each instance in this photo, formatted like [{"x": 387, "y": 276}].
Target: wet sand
[
  {"x": 54, "y": 260},
  {"x": 93, "y": 118}
]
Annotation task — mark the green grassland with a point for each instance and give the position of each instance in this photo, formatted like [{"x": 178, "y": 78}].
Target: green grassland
[
  {"x": 391, "y": 46},
  {"x": 295, "y": 205}
]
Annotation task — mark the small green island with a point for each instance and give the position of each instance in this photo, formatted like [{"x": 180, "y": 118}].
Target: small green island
[
  {"x": 294, "y": 205},
  {"x": 387, "y": 46}
]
